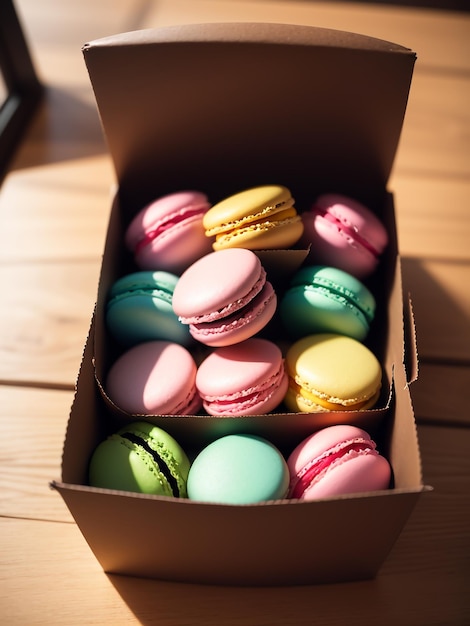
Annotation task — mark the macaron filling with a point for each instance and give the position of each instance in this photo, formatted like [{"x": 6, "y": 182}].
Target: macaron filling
[
  {"x": 348, "y": 230},
  {"x": 343, "y": 294},
  {"x": 171, "y": 221},
  {"x": 316, "y": 398},
  {"x": 232, "y": 307},
  {"x": 163, "y": 466},
  {"x": 282, "y": 210},
  {"x": 238, "y": 317},
  {"x": 313, "y": 471},
  {"x": 244, "y": 400}
]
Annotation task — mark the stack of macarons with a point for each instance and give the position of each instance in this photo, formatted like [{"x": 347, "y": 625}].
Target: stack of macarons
[
  {"x": 199, "y": 307},
  {"x": 201, "y": 331}
]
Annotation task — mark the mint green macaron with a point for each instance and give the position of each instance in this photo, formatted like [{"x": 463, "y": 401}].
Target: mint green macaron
[
  {"x": 323, "y": 299},
  {"x": 238, "y": 469}
]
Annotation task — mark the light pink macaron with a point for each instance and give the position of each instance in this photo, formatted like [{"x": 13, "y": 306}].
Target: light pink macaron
[
  {"x": 225, "y": 297},
  {"x": 243, "y": 379},
  {"x": 154, "y": 378},
  {"x": 345, "y": 234},
  {"x": 334, "y": 461},
  {"x": 168, "y": 233}
]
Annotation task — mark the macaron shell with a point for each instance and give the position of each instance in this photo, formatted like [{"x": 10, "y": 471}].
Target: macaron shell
[
  {"x": 240, "y": 208},
  {"x": 181, "y": 238},
  {"x": 321, "y": 441},
  {"x": 258, "y": 218},
  {"x": 120, "y": 462},
  {"x": 140, "y": 309},
  {"x": 357, "y": 216},
  {"x": 271, "y": 234},
  {"x": 215, "y": 281},
  {"x": 298, "y": 403},
  {"x": 175, "y": 249},
  {"x": 241, "y": 325},
  {"x": 325, "y": 299},
  {"x": 238, "y": 469},
  {"x": 362, "y": 473},
  {"x": 246, "y": 378},
  {"x": 343, "y": 246},
  {"x": 335, "y": 248},
  {"x": 153, "y": 378},
  {"x": 361, "y": 468},
  {"x": 338, "y": 371}
]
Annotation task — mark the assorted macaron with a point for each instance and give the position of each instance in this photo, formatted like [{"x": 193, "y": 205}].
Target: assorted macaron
[
  {"x": 154, "y": 378},
  {"x": 238, "y": 469},
  {"x": 323, "y": 299},
  {"x": 258, "y": 218},
  {"x": 168, "y": 234},
  {"x": 336, "y": 460},
  {"x": 200, "y": 330},
  {"x": 343, "y": 232},
  {"x": 247, "y": 378},
  {"x": 225, "y": 297},
  {"x": 331, "y": 372},
  {"x": 141, "y": 458},
  {"x": 139, "y": 308}
]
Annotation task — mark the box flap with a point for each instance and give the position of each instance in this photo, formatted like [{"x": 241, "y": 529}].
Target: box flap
[{"x": 169, "y": 98}]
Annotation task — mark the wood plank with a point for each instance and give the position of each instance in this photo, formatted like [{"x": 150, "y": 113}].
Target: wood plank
[
  {"x": 441, "y": 38},
  {"x": 44, "y": 320},
  {"x": 48, "y": 575},
  {"x": 441, "y": 304},
  {"x": 55, "y": 213},
  {"x": 57, "y": 30},
  {"x": 438, "y": 392},
  {"x": 426, "y": 570},
  {"x": 33, "y": 424},
  {"x": 432, "y": 217},
  {"x": 435, "y": 139}
]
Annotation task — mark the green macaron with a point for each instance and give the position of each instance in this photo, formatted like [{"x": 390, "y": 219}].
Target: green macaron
[
  {"x": 140, "y": 308},
  {"x": 238, "y": 469},
  {"x": 323, "y": 299},
  {"x": 141, "y": 458}
]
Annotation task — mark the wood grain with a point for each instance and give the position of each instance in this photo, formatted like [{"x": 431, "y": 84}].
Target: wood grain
[{"x": 54, "y": 206}]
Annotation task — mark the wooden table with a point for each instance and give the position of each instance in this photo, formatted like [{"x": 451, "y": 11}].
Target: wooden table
[{"x": 54, "y": 206}]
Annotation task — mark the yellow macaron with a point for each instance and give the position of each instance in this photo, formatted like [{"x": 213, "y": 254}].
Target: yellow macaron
[
  {"x": 258, "y": 218},
  {"x": 330, "y": 372}
]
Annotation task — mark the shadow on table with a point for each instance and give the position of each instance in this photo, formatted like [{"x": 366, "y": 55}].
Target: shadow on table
[
  {"x": 63, "y": 127},
  {"x": 445, "y": 5},
  {"x": 441, "y": 322},
  {"x": 161, "y": 602}
]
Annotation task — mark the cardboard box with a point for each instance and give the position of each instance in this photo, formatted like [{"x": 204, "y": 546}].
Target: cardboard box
[{"x": 222, "y": 107}]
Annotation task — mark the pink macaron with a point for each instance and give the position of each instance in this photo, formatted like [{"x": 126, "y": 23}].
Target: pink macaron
[
  {"x": 334, "y": 461},
  {"x": 345, "y": 234},
  {"x": 154, "y": 378},
  {"x": 247, "y": 378},
  {"x": 168, "y": 233},
  {"x": 225, "y": 297}
]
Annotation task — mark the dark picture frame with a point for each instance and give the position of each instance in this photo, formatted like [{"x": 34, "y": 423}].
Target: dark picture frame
[{"x": 20, "y": 84}]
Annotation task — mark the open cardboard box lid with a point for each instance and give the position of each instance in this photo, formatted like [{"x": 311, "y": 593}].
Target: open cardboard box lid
[
  {"x": 221, "y": 107},
  {"x": 221, "y": 98}
]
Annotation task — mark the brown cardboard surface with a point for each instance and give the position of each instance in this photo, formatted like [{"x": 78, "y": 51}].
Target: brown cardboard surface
[
  {"x": 218, "y": 98},
  {"x": 199, "y": 112}
]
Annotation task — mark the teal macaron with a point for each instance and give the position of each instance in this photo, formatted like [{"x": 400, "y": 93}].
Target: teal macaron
[
  {"x": 323, "y": 299},
  {"x": 140, "y": 308}
]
